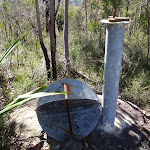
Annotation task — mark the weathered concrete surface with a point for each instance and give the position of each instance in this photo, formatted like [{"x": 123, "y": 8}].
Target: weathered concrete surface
[
  {"x": 131, "y": 128},
  {"x": 84, "y": 109},
  {"x": 112, "y": 67}
]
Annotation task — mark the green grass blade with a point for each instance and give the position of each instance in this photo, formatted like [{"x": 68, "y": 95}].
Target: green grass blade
[
  {"x": 1, "y": 23},
  {"x": 42, "y": 94},
  {"x": 11, "y": 48},
  {"x": 6, "y": 109},
  {"x": 26, "y": 95},
  {"x": 38, "y": 90},
  {"x": 32, "y": 96}
]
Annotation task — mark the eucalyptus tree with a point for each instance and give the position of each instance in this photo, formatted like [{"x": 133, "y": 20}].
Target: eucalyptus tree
[
  {"x": 52, "y": 34},
  {"x": 47, "y": 60},
  {"x": 86, "y": 17},
  {"x": 66, "y": 35},
  {"x": 50, "y": 15},
  {"x": 148, "y": 26},
  {"x": 116, "y": 4}
]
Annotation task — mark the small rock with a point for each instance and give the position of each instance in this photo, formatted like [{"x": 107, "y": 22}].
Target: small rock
[{"x": 46, "y": 146}]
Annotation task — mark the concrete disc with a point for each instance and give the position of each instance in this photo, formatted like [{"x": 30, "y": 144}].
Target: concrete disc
[{"x": 84, "y": 110}]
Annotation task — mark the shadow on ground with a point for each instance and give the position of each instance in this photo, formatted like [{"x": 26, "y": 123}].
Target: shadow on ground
[{"x": 134, "y": 131}]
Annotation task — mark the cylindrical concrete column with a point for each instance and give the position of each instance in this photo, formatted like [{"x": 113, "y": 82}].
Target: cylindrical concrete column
[{"x": 112, "y": 66}]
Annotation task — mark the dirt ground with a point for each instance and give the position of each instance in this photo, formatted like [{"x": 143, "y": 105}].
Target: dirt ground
[{"x": 132, "y": 131}]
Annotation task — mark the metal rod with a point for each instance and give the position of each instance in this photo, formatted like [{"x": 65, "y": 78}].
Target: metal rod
[{"x": 68, "y": 111}]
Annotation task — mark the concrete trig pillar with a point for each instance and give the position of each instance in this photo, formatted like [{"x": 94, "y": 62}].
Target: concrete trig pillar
[{"x": 112, "y": 66}]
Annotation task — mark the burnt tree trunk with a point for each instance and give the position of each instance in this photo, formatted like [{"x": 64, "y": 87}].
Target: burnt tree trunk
[
  {"x": 41, "y": 41},
  {"x": 86, "y": 18},
  {"x": 66, "y": 35},
  {"x": 53, "y": 37},
  {"x": 148, "y": 26}
]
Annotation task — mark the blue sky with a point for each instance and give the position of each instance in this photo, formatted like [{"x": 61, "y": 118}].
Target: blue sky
[{"x": 73, "y": 1}]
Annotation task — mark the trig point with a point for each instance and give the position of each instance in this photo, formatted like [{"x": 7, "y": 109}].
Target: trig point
[{"x": 115, "y": 28}]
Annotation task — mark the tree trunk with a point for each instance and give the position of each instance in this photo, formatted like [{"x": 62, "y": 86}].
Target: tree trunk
[
  {"x": 41, "y": 41},
  {"x": 66, "y": 35},
  {"x": 57, "y": 8},
  {"x": 86, "y": 18},
  {"x": 47, "y": 15},
  {"x": 115, "y": 10},
  {"x": 127, "y": 8},
  {"x": 53, "y": 37},
  {"x": 148, "y": 26}
]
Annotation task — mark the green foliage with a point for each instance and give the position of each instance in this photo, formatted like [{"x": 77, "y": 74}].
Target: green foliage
[
  {"x": 114, "y": 3},
  {"x": 143, "y": 20},
  {"x": 21, "y": 99},
  {"x": 11, "y": 48},
  {"x": 4, "y": 89},
  {"x": 76, "y": 17},
  {"x": 5, "y": 130},
  {"x": 138, "y": 90},
  {"x": 30, "y": 2},
  {"x": 94, "y": 4},
  {"x": 136, "y": 47},
  {"x": 94, "y": 26},
  {"x": 74, "y": 54},
  {"x": 135, "y": 75},
  {"x": 60, "y": 19},
  {"x": 6, "y": 133},
  {"x": 1, "y": 23},
  {"x": 107, "y": 6}
]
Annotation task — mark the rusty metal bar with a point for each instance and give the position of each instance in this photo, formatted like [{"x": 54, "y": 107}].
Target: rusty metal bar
[{"x": 68, "y": 111}]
